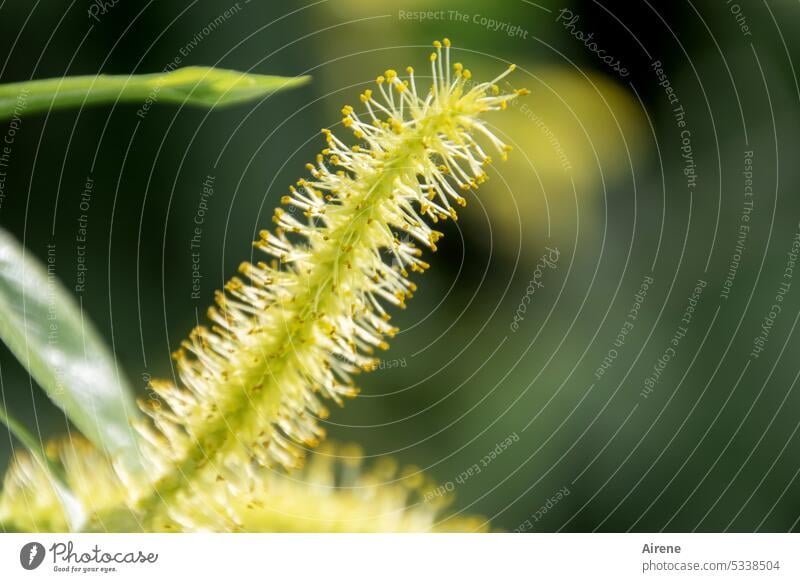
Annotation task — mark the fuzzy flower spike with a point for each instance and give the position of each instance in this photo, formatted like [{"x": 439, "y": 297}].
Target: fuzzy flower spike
[{"x": 295, "y": 328}]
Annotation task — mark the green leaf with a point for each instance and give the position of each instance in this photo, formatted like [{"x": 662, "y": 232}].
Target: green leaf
[
  {"x": 43, "y": 326},
  {"x": 73, "y": 508},
  {"x": 33, "y": 444},
  {"x": 204, "y": 86}
]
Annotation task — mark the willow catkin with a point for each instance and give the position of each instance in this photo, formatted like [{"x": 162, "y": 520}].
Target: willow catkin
[{"x": 293, "y": 330}]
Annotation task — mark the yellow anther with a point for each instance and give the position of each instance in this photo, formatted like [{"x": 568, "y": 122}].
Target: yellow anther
[
  {"x": 437, "y": 44},
  {"x": 410, "y": 70},
  {"x": 380, "y": 79},
  {"x": 433, "y": 57},
  {"x": 447, "y": 42}
]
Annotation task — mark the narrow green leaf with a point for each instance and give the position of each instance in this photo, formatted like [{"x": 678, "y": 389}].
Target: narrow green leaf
[
  {"x": 43, "y": 326},
  {"x": 204, "y": 86},
  {"x": 33, "y": 444},
  {"x": 73, "y": 508}
]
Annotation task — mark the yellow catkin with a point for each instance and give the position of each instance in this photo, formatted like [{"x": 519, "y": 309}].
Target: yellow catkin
[
  {"x": 335, "y": 492},
  {"x": 294, "y": 329}
]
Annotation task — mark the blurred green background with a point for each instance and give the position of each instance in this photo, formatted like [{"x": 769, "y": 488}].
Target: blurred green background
[{"x": 602, "y": 171}]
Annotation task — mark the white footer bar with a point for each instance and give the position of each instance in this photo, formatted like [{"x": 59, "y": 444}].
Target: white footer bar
[{"x": 389, "y": 557}]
